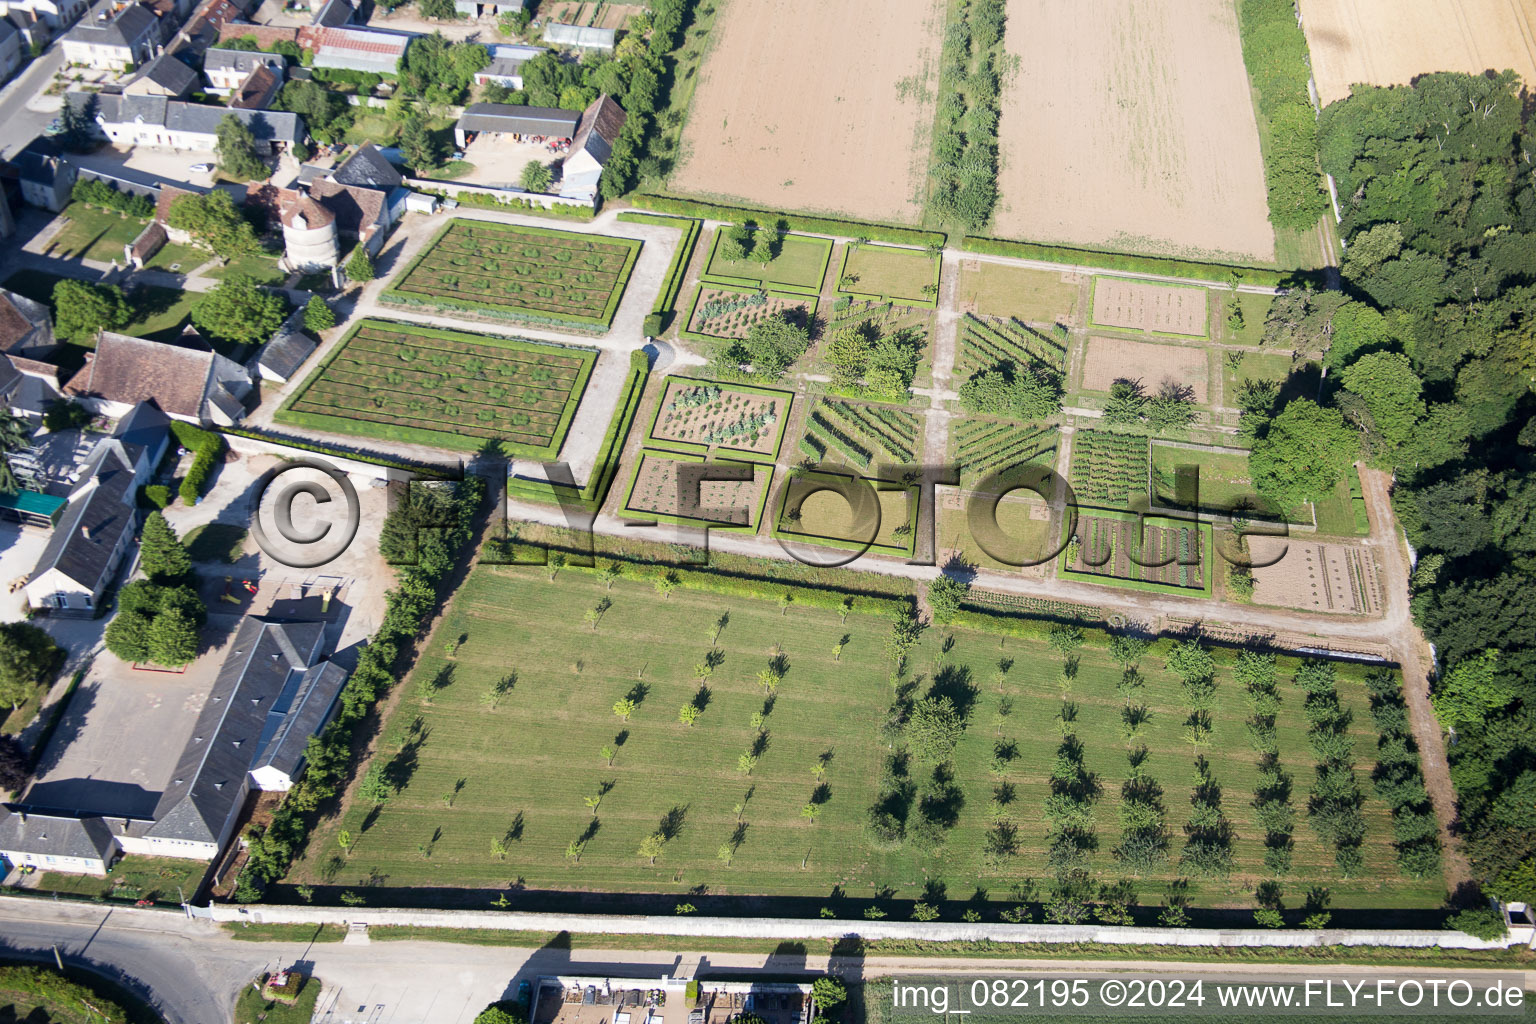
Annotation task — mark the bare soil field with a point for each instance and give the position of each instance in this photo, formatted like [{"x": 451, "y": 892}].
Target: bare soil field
[
  {"x": 823, "y": 107},
  {"x": 1160, "y": 308},
  {"x": 591, "y": 13},
  {"x": 1315, "y": 576},
  {"x": 1130, "y": 125},
  {"x": 1110, "y": 359},
  {"x": 1387, "y": 42}
]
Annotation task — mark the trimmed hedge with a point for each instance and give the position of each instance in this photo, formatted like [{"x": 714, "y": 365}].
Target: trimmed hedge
[
  {"x": 418, "y": 468},
  {"x": 606, "y": 468},
  {"x": 208, "y": 448},
  {"x": 666, "y": 299},
  {"x": 794, "y": 221},
  {"x": 1220, "y": 273}
]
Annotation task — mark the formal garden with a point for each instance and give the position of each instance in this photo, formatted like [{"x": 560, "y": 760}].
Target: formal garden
[
  {"x": 890, "y": 273},
  {"x": 1125, "y": 549},
  {"x": 986, "y": 448},
  {"x": 698, "y": 415},
  {"x": 1108, "y": 468},
  {"x": 402, "y": 382},
  {"x": 634, "y": 728},
  {"x": 768, "y": 259},
  {"x": 845, "y": 511},
  {"x": 663, "y": 488},
  {"x": 991, "y": 341},
  {"x": 520, "y": 272},
  {"x": 858, "y": 435},
  {"x": 722, "y": 311}
]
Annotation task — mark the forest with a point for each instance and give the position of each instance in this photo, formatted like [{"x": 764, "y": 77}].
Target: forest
[{"x": 1430, "y": 359}]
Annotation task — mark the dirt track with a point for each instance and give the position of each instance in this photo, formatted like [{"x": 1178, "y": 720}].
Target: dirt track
[
  {"x": 1388, "y": 42},
  {"x": 823, "y": 107},
  {"x": 1130, "y": 125}
]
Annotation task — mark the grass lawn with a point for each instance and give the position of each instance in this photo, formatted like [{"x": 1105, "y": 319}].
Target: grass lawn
[
  {"x": 262, "y": 267},
  {"x": 1035, "y": 296},
  {"x": 372, "y": 127},
  {"x": 215, "y": 542},
  {"x": 1341, "y": 514},
  {"x": 19, "y": 718},
  {"x": 1223, "y": 478},
  {"x": 802, "y": 263},
  {"x": 1255, "y": 311},
  {"x": 252, "y": 1007},
  {"x": 93, "y": 234},
  {"x": 890, "y": 272},
  {"x": 133, "y": 878},
  {"x": 1028, "y": 539},
  {"x": 472, "y": 775},
  {"x": 159, "y": 313},
  {"x": 186, "y": 258},
  {"x": 1255, "y": 365}
]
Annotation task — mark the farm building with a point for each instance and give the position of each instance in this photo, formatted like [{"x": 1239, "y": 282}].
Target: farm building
[
  {"x": 590, "y": 149},
  {"x": 10, "y": 49},
  {"x": 96, "y": 530},
  {"x": 114, "y": 36},
  {"x": 506, "y": 66},
  {"x": 333, "y": 14},
  {"x": 28, "y": 387},
  {"x": 26, "y": 326},
  {"x": 204, "y": 29},
  {"x": 187, "y": 381},
  {"x": 273, "y": 692},
  {"x": 226, "y": 70},
  {"x": 355, "y": 49},
  {"x": 520, "y": 123},
  {"x": 578, "y": 37},
  {"x": 49, "y": 15},
  {"x": 279, "y": 359},
  {"x": 367, "y": 168},
  {"x": 174, "y": 124},
  {"x": 310, "y": 242},
  {"x": 164, "y": 76}
]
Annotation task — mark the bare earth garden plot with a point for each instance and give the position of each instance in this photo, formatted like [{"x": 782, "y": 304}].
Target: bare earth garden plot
[
  {"x": 1152, "y": 553},
  {"x": 1155, "y": 308},
  {"x": 1315, "y": 576},
  {"x": 783, "y": 113},
  {"x": 1112, "y": 359},
  {"x": 656, "y": 491},
  {"x": 533, "y": 273},
  {"x": 1131, "y": 125},
  {"x": 505, "y": 761},
  {"x": 402, "y": 382}
]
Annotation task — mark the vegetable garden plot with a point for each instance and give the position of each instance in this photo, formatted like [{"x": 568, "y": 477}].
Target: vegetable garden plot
[
  {"x": 720, "y": 312},
  {"x": 1107, "y": 469},
  {"x": 654, "y": 491},
  {"x": 1158, "y": 308},
  {"x": 1113, "y": 548},
  {"x": 697, "y": 414},
  {"x": 984, "y": 447},
  {"x": 860, "y": 434},
  {"x": 408, "y": 383},
  {"x": 986, "y": 342},
  {"x": 533, "y": 271}
]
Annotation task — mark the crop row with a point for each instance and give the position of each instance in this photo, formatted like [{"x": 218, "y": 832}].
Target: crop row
[
  {"x": 891, "y": 433},
  {"x": 1106, "y": 465},
  {"x": 408, "y": 346},
  {"x": 988, "y": 343},
  {"x": 466, "y": 419},
  {"x": 502, "y": 234},
  {"x": 1003, "y": 446},
  {"x": 825, "y": 431}
]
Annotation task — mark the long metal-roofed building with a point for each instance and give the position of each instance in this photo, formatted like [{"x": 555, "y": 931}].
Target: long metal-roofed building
[{"x": 518, "y": 122}]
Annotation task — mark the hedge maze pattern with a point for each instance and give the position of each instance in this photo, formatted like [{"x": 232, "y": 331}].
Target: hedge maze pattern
[
  {"x": 393, "y": 376},
  {"x": 552, "y": 272}
]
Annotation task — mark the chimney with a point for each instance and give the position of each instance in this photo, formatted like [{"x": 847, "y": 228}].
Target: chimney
[{"x": 85, "y": 531}]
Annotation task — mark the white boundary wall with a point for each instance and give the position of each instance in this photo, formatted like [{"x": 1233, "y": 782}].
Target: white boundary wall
[{"x": 693, "y": 928}]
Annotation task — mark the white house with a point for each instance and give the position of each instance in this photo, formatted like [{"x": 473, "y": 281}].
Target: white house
[
  {"x": 114, "y": 36},
  {"x": 174, "y": 124},
  {"x": 54, "y": 14},
  {"x": 590, "y": 149},
  {"x": 51, "y": 842},
  {"x": 188, "y": 380},
  {"x": 10, "y": 49},
  {"x": 96, "y": 530},
  {"x": 227, "y": 70}
]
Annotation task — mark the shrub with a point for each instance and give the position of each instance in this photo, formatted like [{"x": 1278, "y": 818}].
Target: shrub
[
  {"x": 208, "y": 448},
  {"x": 1480, "y": 923},
  {"x": 654, "y": 325}
]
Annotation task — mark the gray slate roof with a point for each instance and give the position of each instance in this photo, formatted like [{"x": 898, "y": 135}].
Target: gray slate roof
[
  {"x": 302, "y": 710},
  {"x": 169, "y": 73},
  {"x": 54, "y": 835},
  {"x": 243, "y": 61},
  {"x": 129, "y": 26},
  {"x": 210, "y": 779},
  {"x": 333, "y": 14},
  {"x": 195, "y": 118},
  {"x": 508, "y": 118},
  {"x": 284, "y": 355},
  {"x": 93, "y": 524},
  {"x": 367, "y": 168}
]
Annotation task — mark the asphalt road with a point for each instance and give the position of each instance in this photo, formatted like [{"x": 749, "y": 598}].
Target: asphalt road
[
  {"x": 191, "y": 970},
  {"x": 19, "y": 125}
]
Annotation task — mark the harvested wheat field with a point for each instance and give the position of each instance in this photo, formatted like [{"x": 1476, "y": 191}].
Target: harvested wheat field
[
  {"x": 1159, "y": 308},
  {"x": 1315, "y": 577},
  {"x": 1388, "y": 42},
  {"x": 817, "y": 107},
  {"x": 1129, "y": 125},
  {"x": 1110, "y": 359}
]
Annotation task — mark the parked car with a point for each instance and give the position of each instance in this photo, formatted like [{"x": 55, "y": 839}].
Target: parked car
[{"x": 200, "y": 168}]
